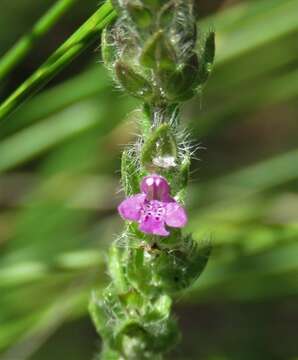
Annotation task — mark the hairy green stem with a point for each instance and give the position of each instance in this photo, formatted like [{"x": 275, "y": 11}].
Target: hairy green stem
[{"x": 27, "y": 42}]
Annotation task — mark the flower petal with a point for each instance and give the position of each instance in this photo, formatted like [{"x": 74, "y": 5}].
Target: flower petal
[
  {"x": 156, "y": 187},
  {"x": 175, "y": 215},
  {"x": 130, "y": 208},
  {"x": 149, "y": 225}
]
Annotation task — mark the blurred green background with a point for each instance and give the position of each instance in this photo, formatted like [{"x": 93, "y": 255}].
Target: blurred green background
[{"x": 59, "y": 186}]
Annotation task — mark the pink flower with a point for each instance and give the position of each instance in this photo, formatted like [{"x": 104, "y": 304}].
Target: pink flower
[{"x": 153, "y": 208}]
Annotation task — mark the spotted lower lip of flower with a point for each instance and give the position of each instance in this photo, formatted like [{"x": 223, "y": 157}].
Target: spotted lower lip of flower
[{"x": 153, "y": 208}]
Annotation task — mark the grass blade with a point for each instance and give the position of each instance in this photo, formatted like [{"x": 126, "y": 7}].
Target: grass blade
[
  {"x": 94, "y": 81},
  {"x": 67, "y": 52},
  {"x": 23, "y": 47}
]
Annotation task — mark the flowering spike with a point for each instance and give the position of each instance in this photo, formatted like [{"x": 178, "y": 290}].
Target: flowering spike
[{"x": 150, "y": 49}]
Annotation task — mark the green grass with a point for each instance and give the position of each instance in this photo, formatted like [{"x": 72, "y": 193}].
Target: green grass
[{"x": 66, "y": 53}]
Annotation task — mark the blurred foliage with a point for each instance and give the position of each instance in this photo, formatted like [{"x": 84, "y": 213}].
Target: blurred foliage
[{"x": 59, "y": 170}]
